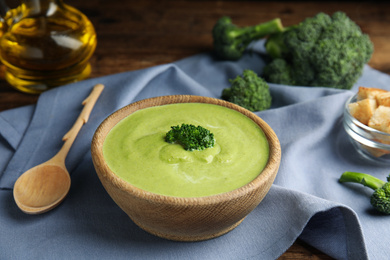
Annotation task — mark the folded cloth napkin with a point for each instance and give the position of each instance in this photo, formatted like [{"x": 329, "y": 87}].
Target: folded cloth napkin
[{"x": 306, "y": 200}]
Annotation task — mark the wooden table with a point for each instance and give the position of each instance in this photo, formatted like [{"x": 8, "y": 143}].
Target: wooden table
[{"x": 139, "y": 34}]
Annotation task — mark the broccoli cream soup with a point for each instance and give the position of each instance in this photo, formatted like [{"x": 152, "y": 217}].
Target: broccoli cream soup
[{"x": 136, "y": 150}]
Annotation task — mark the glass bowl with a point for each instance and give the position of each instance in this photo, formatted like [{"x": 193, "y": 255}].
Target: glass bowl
[{"x": 372, "y": 144}]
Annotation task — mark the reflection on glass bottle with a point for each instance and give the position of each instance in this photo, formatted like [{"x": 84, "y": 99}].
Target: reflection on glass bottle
[{"x": 44, "y": 44}]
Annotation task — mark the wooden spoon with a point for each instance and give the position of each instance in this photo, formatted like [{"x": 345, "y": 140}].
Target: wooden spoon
[{"x": 44, "y": 186}]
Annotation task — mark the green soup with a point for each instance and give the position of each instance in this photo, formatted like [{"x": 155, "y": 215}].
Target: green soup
[{"x": 136, "y": 151}]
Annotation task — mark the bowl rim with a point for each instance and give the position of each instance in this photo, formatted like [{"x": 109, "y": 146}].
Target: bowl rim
[{"x": 269, "y": 171}]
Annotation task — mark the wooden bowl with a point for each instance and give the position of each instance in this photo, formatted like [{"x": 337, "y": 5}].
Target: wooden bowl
[{"x": 179, "y": 218}]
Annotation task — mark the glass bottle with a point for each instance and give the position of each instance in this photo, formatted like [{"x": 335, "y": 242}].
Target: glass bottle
[{"x": 44, "y": 44}]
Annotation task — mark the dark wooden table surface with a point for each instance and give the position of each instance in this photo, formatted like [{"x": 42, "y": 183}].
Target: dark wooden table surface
[{"x": 138, "y": 34}]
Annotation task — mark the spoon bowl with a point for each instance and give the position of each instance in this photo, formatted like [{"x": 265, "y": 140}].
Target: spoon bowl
[
  {"x": 45, "y": 186},
  {"x": 41, "y": 188}
]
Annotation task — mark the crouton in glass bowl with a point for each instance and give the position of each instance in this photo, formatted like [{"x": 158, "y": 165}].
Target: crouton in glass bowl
[{"x": 367, "y": 122}]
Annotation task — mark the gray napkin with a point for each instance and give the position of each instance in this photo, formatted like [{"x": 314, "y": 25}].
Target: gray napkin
[{"x": 305, "y": 201}]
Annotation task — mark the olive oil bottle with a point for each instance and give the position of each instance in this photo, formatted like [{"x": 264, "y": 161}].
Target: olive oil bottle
[{"x": 44, "y": 44}]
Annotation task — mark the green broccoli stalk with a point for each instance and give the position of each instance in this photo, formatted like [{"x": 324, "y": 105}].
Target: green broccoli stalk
[
  {"x": 248, "y": 91},
  {"x": 230, "y": 41},
  {"x": 327, "y": 51},
  {"x": 190, "y": 137},
  {"x": 380, "y": 199}
]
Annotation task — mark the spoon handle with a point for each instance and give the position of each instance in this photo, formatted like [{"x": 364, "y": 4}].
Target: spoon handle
[{"x": 71, "y": 135}]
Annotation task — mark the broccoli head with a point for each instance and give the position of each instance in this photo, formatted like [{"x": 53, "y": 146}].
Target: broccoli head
[
  {"x": 230, "y": 41},
  {"x": 249, "y": 91},
  {"x": 327, "y": 51},
  {"x": 380, "y": 199},
  {"x": 190, "y": 137}
]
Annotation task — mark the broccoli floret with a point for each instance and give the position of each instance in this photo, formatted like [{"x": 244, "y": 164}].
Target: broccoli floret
[
  {"x": 230, "y": 41},
  {"x": 249, "y": 91},
  {"x": 327, "y": 51},
  {"x": 190, "y": 137},
  {"x": 279, "y": 71},
  {"x": 380, "y": 199}
]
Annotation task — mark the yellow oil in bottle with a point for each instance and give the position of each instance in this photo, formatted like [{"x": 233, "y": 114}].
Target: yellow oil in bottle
[{"x": 46, "y": 44}]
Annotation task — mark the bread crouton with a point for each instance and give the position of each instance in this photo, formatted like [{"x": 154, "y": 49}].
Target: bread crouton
[
  {"x": 380, "y": 120},
  {"x": 383, "y": 99},
  {"x": 363, "y": 110},
  {"x": 365, "y": 92}
]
